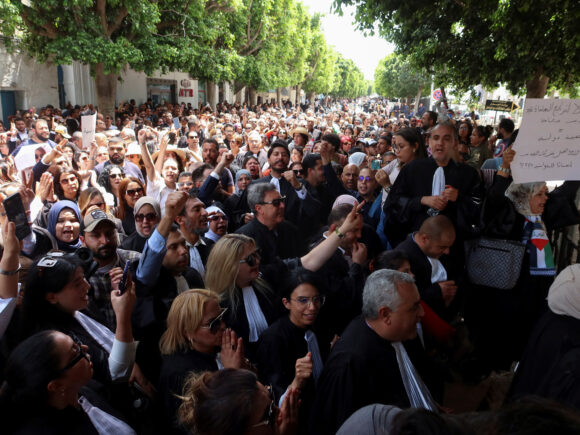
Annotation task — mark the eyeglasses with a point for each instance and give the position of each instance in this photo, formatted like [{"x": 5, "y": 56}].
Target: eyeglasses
[
  {"x": 275, "y": 202},
  {"x": 269, "y": 414},
  {"x": 297, "y": 171},
  {"x": 98, "y": 204},
  {"x": 116, "y": 176},
  {"x": 306, "y": 302},
  {"x": 215, "y": 324},
  {"x": 149, "y": 216},
  {"x": 69, "y": 180},
  {"x": 80, "y": 354},
  {"x": 217, "y": 217},
  {"x": 253, "y": 259},
  {"x": 362, "y": 178},
  {"x": 135, "y": 191}
]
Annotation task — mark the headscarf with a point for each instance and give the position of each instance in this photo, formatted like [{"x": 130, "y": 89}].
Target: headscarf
[
  {"x": 238, "y": 175},
  {"x": 345, "y": 199},
  {"x": 564, "y": 294},
  {"x": 140, "y": 203},
  {"x": 535, "y": 235},
  {"x": 53, "y": 219},
  {"x": 520, "y": 195},
  {"x": 370, "y": 420},
  {"x": 357, "y": 158}
]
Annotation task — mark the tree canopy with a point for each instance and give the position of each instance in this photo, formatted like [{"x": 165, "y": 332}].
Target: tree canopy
[
  {"x": 395, "y": 77},
  {"x": 261, "y": 44},
  {"x": 519, "y": 43}
]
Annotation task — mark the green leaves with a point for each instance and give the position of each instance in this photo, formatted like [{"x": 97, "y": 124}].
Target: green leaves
[{"x": 467, "y": 42}]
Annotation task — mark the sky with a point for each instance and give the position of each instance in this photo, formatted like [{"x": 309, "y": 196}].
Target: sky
[{"x": 352, "y": 44}]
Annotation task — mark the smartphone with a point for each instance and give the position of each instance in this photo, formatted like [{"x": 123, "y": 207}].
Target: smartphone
[
  {"x": 376, "y": 165},
  {"x": 16, "y": 213},
  {"x": 123, "y": 282}
]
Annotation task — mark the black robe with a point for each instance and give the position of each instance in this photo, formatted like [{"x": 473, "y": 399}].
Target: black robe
[
  {"x": 405, "y": 213},
  {"x": 550, "y": 366},
  {"x": 421, "y": 268},
  {"x": 279, "y": 347},
  {"x": 135, "y": 242},
  {"x": 361, "y": 370},
  {"x": 174, "y": 371},
  {"x": 282, "y": 242}
]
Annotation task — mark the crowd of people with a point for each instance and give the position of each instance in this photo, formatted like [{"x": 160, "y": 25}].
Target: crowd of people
[{"x": 278, "y": 269}]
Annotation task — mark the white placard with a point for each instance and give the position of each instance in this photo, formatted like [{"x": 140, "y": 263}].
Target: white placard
[
  {"x": 26, "y": 157},
  {"x": 89, "y": 125},
  {"x": 548, "y": 143}
]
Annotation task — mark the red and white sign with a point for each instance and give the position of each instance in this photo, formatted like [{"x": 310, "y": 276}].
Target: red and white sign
[{"x": 437, "y": 95}]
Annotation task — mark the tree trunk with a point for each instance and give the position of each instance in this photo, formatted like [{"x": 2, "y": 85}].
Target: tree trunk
[
  {"x": 211, "y": 94},
  {"x": 253, "y": 97},
  {"x": 239, "y": 97},
  {"x": 298, "y": 92},
  {"x": 106, "y": 88},
  {"x": 537, "y": 87},
  {"x": 279, "y": 96},
  {"x": 417, "y": 99},
  {"x": 311, "y": 97}
]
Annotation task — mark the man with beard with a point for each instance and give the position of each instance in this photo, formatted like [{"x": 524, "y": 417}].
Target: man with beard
[
  {"x": 40, "y": 137},
  {"x": 192, "y": 221},
  {"x": 99, "y": 234},
  {"x": 117, "y": 157}
]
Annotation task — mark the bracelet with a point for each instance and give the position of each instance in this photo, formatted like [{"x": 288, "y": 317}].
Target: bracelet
[
  {"x": 11, "y": 272},
  {"x": 339, "y": 234},
  {"x": 506, "y": 171}
]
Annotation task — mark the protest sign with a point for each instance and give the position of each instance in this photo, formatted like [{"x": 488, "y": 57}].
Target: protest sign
[
  {"x": 548, "y": 144},
  {"x": 89, "y": 125}
]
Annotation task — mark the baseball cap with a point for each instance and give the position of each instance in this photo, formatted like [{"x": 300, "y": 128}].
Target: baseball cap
[{"x": 94, "y": 218}]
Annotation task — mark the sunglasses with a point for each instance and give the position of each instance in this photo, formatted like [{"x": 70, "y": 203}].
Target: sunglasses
[
  {"x": 253, "y": 259},
  {"x": 275, "y": 202},
  {"x": 116, "y": 176},
  {"x": 80, "y": 354},
  {"x": 217, "y": 217},
  {"x": 149, "y": 216},
  {"x": 270, "y": 413},
  {"x": 361, "y": 178},
  {"x": 134, "y": 191},
  {"x": 297, "y": 171},
  {"x": 192, "y": 137},
  {"x": 215, "y": 324}
]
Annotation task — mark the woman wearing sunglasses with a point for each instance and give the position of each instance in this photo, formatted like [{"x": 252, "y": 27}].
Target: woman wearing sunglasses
[
  {"x": 82, "y": 164},
  {"x": 233, "y": 271},
  {"x": 110, "y": 179},
  {"x": 191, "y": 344},
  {"x": 233, "y": 402},
  {"x": 147, "y": 216},
  {"x": 130, "y": 190},
  {"x": 45, "y": 390}
]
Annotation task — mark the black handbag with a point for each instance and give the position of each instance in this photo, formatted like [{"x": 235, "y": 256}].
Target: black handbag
[{"x": 494, "y": 262}]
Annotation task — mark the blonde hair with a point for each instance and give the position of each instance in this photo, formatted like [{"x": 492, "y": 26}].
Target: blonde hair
[
  {"x": 184, "y": 318},
  {"x": 223, "y": 265},
  {"x": 86, "y": 196}
]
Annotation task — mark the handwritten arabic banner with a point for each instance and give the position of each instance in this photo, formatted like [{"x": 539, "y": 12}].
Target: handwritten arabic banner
[{"x": 548, "y": 144}]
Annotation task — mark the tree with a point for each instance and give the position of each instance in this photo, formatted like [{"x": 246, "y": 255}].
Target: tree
[
  {"x": 110, "y": 34},
  {"x": 349, "y": 81},
  {"x": 395, "y": 77},
  {"x": 466, "y": 42},
  {"x": 321, "y": 62}
]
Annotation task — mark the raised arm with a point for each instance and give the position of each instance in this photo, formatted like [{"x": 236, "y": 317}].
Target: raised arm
[
  {"x": 146, "y": 156},
  {"x": 316, "y": 258}
]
